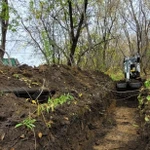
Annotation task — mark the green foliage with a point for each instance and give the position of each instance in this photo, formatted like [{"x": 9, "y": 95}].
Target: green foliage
[
  {"x": 115, "y": 73},
  {"x": 53, "y": 103},
  {"x": 140, "y": 100},
  {"x": 116, "y": 77},
  {"x": 39, "y": 11},
  {"x": 4, "y": 11},
  {"x": 28, "y": 122},
  {"x": 31, "y": 5},
  {"x": 147, "y": 84},
  {"x": 148, "y": 97},
  {"x": 147, "y": 118},
  {"x": 46, "y": 46},
  {"x": 17, "y": 76},
  {"x": 13, "y": 25},
  {"x": 144, "y": 101}
]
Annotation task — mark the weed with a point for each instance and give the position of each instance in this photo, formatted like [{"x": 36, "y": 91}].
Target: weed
[
  {"x": 28, "y": 122},
  {"x": 53, "y": 103},
  {"x": 16, "y": 75}
]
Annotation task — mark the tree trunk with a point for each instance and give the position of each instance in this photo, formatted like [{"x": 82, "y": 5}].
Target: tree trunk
[
  {"x": 74, "y": 37},
  {"x": 72, "y": 51},
  {"x": 4, "y": 26}
]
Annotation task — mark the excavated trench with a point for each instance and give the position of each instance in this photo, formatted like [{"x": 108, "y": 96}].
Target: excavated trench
[
  {"x": 121, "y": 128},
  {"x": 97, "y": 118},
  {"x": 117, "y": 128}
]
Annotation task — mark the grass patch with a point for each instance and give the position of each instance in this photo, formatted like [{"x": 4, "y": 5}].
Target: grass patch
[{"x": 115, "y": 74}]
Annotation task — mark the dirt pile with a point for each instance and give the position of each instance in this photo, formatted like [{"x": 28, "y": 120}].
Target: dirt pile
[{"x": 65, "y": 127}]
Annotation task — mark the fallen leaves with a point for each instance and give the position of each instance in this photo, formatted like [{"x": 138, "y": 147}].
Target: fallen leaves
[
  {"x": 22, "y": 136},
  {"x": 40, "y": 134},
  {"x": 2, "y": 136},
  {"x": 28, "y": 81}
]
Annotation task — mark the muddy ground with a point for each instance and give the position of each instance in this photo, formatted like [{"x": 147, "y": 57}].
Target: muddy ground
[{"x": 93, "y": 119}]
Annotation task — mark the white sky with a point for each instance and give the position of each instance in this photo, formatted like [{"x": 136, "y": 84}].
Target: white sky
[
  {"x": 19, "y": 50},
  {"x": 22, "y": 52}
]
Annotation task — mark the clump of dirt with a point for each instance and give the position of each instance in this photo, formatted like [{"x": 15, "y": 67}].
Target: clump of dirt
[{"x": 69, "y": 126}]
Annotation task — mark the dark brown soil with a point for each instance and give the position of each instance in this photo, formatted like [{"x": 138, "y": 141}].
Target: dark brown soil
[{"x": 81, "y": 124}]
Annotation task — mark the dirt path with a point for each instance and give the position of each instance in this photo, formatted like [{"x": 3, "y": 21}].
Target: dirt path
[{"x": 124, "y": 134}]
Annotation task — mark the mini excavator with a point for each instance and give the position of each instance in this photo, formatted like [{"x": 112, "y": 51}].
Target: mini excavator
[{"x": 131, "y": 74}]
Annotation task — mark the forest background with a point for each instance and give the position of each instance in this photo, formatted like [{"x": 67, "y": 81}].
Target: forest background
[{"x": 85, "y": 33}]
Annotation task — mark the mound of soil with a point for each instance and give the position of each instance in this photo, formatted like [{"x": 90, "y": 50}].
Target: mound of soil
[{"x": 65, "y": 127}]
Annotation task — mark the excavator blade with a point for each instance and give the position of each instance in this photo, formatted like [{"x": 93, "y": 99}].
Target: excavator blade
[{"x": 131, "y": 85}]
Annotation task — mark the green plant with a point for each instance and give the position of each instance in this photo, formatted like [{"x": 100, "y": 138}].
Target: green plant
[
  {"x": 148, "y": 98},
  {"x": 147, "y": 84},
  {"x": 115, "y": 74},
  {"x": 28, "y": 122},
  {"x": 59, "y": 101},
  {"x": 16, "y": 75},
  {"x": 53, "y": 103},
  {"x": 140, "y": 100},
  {"x": 144, "y": 99}
]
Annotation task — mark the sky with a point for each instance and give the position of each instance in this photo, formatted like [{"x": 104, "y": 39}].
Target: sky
[
  {"x": 15, "y": 46},
  {"x": 24, "y": 54}
]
